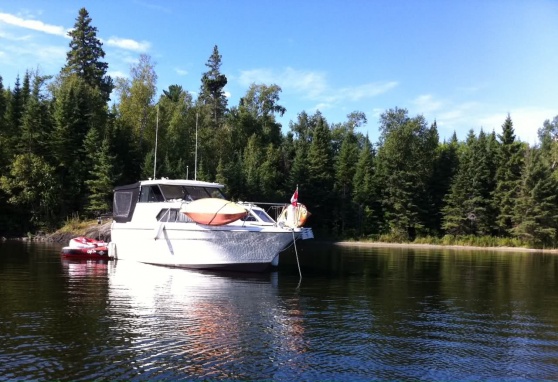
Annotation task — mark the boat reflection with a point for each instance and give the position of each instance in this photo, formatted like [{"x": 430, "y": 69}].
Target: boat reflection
[
  {"x": 206, "y": 323},
  {"x": 82, "y": 268}
]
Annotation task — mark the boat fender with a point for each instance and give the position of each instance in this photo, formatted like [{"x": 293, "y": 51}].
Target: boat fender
[{"x": 112, "y": 250}]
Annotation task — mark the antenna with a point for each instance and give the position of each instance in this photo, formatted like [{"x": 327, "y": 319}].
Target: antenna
[
  {"x": 196, "y": 155},
  {"x": 156, "y": 133}
]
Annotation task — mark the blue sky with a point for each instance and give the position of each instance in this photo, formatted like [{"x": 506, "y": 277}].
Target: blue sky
[{"x": 465, "y": 64}]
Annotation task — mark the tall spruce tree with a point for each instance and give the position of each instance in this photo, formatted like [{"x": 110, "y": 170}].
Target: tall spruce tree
[
  {"x": 365, "y": 194},
  {"x": 84, "y": 58},
  {"x": 318, "y": 189},
  {"x": 548, "y": 136},
  {"x": 37, "y": 121},
  {"x": 535, "y": 215},
  {"x": 212, "y": 94},
  {"x": 4, "y": 154},
  {"x": 302, "y": 131},
  {"x": 405, "y": 164},
  {"x": 345, "y": 168},
  {"x": 468, "y": 206},
  {"x": 445, "y": 167},
  {"x": 102, "y": 177},
  {"x": 508, "y": 173},
  {"x": 14, "y": 112},
  {"x": 74, "y": 115}
]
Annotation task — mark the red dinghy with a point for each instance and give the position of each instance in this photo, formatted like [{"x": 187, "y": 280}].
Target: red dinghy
[{"x": 85, "y": 248}]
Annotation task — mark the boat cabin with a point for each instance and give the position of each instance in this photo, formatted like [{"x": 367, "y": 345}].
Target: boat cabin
[
  {"x": 174, "y": 192},
  {"x": 159, "y": 191}
]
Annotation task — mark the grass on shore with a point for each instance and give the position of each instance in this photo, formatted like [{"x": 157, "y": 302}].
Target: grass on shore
[{"x": 452, "y": 240}]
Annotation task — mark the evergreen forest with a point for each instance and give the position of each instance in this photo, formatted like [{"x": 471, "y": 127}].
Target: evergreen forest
[{"x": 66, "y": 140}]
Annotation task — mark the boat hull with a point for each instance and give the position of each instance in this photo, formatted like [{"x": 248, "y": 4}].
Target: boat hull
[
  {"x": 190, "y": 245},
  {"x": 97, "y": 253}
]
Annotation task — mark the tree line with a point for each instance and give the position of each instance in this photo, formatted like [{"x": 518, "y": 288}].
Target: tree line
[{"x": 65, "y": 144}]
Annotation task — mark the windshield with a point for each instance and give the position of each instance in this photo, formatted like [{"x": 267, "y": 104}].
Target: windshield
[{"x": 196, "y": 193}]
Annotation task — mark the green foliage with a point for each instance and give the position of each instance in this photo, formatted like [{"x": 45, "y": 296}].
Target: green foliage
[
  {"x": 62, "y": 150},
  {"x": 535, "y": 218},
  {"x": 32, "y": 187},
  {"x": 101, "y": 180},
  {"x": 508, "y": 173},
  {"x": 85, "y": 55},
  {"x": 404, "y": 168},
  {"x": 212, "y": 94}
]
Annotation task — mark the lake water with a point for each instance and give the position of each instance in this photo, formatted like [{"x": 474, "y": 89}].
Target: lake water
[{"x": 357, "y": 314}]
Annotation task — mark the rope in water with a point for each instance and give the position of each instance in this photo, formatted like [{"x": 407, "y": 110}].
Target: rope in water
[{"x": 297, "y": 262}]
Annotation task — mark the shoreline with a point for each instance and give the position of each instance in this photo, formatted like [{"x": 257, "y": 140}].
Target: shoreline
[{"x": 373, "y": 244}]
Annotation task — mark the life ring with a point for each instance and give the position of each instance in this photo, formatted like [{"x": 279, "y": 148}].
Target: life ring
[{"x": 294, "y": 216}]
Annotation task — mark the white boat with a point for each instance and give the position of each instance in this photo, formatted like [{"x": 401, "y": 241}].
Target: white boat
[{"x": 152, "y": 224}]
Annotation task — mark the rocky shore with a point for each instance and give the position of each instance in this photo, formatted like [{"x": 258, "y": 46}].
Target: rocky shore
[{"x": 96, "y": 231}]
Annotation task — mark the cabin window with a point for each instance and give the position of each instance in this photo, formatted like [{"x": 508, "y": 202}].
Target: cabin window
[
  {"x": 122, "y": 203},
  {"x": 171, "y": 192},
  {"x": 203, "y": 192},
  {"x": 263, "y": 216},
  {"x": 151, "y": 194},
  {"x": 172, "y": 215}
]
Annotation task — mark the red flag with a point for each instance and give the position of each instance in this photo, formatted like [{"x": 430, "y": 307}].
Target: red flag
[{"x": 294, "y": 198}]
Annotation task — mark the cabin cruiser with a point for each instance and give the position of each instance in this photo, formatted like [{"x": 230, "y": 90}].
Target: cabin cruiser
[{"x": 165, "y": 222}]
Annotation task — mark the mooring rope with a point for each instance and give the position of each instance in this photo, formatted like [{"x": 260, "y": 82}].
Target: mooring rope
[{"x": 297, "y": 262}]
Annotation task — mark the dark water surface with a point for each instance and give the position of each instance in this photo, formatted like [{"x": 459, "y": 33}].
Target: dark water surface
[{"x": 359, "y": 314}]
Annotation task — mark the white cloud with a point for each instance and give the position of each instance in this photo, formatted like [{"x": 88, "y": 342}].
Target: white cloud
[
  {"x": 129, "y": 44},
  {"x": 426, "y": 104},
  {"x": 366, "y": 90},
  {"x": 181, "y": 72},
  {"x": 312, "y": 84},
  {"x": 35, "y": 25},
  {"x": 22, "y": 56}
]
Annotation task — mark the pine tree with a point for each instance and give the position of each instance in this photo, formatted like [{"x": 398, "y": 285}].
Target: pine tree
[
  {"x": 5, "y": 135},
  {"x": 302, "y": 132},
  {"x": 548, "y": 136},
  {"x": 36, "y": 122},
  {"x": 211, "y": 91},
  {"x": 85, "y": 55},
  {"x": 253, "y": 157},
  {"x": 365, "y": 194},
  {"x": 101, "y": 179},
  {"x": 510, "y": 162},
  {"x": 445, "y": 167},
  {"x": 468, "y": 207},
  {"x": 345, "y": 168},
  {"x": 269, "y": 174},
  {"x": 74, "y": 115},
  {"x": 318, "y": 189},
  {"x": 405, "y": 165},
  {"x": 14, "y": 112},
  {"x": 535, "y": 215}
]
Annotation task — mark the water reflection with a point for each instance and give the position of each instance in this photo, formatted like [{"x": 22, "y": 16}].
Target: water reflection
[
  {"x": 359, "y": 314},
  {"x": 202, "y": 324}
]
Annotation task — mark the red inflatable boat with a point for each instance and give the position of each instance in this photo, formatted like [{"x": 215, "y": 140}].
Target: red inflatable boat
[{"x": 86, "y": 248}]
